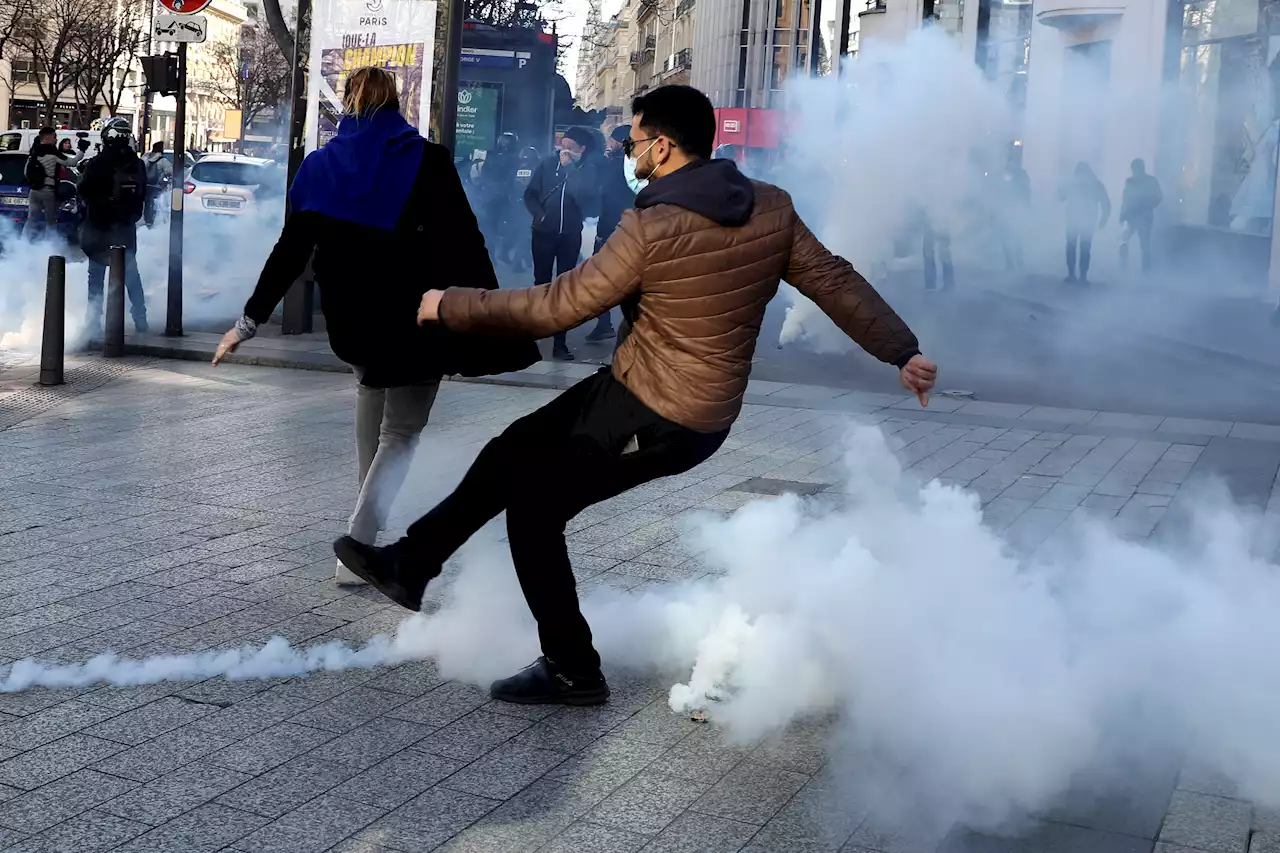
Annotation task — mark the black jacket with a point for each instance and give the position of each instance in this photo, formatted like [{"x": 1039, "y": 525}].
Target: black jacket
[
  {"x": 560, "y": 197},
  {"x": 615, "y": 195},
  {"x": 371, "y": 281},
  {"x": 113, "y": 188}
]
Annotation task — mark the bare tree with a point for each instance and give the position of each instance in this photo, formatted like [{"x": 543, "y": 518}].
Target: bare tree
[
  {"x": 13, "y": 14},
  {"x": 46, "y": 36},
  {"x": 103, "y": 55},
  {"x": 254, "y": 77},
  {"x": 279, "y": 28}
]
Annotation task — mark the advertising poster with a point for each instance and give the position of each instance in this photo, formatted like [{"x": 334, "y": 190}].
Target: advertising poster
[
  {"x": 479, "y": 105},
  {"x": 398, "y": 35}
]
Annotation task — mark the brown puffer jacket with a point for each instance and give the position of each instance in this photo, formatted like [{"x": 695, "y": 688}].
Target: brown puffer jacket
[{"x": 697, "y": 262}]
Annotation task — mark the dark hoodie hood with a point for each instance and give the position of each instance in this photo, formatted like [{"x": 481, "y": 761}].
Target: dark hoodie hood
[
  {"x": 364, "y": 174},
  {"x": 713, "y": 188}
]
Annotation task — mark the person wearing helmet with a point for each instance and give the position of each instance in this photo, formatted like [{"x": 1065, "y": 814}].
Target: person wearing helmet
[{"x": 113, "y": 188}]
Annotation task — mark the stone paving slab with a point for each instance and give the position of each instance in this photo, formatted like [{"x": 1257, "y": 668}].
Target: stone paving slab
[{"x": 179, "y": 509}]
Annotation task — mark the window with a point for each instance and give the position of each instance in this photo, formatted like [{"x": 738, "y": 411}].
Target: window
[
  {"x": 13, "y": 170},
  {"x": 10, "y": 141},
  {"x": 232, "y": 174},
  {"x": 24, "y": 71}
]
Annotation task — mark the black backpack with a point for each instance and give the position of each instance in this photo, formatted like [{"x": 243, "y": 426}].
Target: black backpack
[
  {"x": 35, "y": 173},
  {"x": 128, "y": 195}
]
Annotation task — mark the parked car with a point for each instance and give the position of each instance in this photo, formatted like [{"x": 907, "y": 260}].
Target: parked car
[
  {"x": 230, "y": 184},
  {"x": 22, "y": 140},
  {"x": 14, "y": 191}
]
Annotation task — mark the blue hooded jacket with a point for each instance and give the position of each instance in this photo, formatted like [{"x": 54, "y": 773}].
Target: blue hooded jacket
[{"x": 364, "y": 174}]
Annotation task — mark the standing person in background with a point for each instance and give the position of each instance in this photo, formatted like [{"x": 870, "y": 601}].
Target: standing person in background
[
  {"x": 563, "y": 191},
  {"x": 374, "y": 201},
  {"x": 1088, "y": 209},
  {"x": 113, "y": 187},
  {"x": 1014, "y": 204},
  {"x": 497, "y": 192},
  {"x": 43, "y": 165},
  {"x": 69, "y": 153},
  {"x": 159, "y": 176},
  {"x": 616, "y": 195},
  {"x": 1142, "y": 195}
]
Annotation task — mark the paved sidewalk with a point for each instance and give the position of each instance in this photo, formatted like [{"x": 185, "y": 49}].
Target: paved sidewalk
[{"x": 161, "y": 507}]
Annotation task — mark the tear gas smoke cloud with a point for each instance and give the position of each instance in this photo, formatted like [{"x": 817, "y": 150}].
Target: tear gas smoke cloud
[
  {"x": 223, "y": 257},
  {"x": 969, "y": 685}
]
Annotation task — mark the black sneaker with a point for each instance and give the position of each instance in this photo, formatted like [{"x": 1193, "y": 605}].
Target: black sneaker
[
  {"x": 542, "y": 683},
  {"x": 561, "y": 354},
  {"x": 393, "y": 570},
  {"x": 600, "y": 335}
]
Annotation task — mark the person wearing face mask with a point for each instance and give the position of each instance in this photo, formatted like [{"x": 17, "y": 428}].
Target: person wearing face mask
[
  {"x": 616, "y": 196},
  {"x": 563, "y": 191},
  {"x": 697, "y": 262}
]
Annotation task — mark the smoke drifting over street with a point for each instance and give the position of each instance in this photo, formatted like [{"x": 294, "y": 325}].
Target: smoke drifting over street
[{"x": 969, "y": 685}]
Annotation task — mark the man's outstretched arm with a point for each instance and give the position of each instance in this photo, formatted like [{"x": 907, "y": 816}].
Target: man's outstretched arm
[
  {"x": 603, "y": 282},
  {"x": 855, "y": 306}
]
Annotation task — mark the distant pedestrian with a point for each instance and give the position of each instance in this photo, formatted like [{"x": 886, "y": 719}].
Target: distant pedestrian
[
  {"x": 69, "y": 153},
  {"x": 159, "y": 178},
  {"x": 616, "y": 195},
  {"x": 44, "y": 164},
  {"x": 376, "y": 201},
  {"x": 497, "y": 189},
  {"x": 1088, "y": 209},
  {"x": 696, "y": 264},
  {"x": 1142, "y": 195},
  {"x": 113, "y": 187},
  {"x": 563, "y": 191},
  {"x": 1013, "y": 207}
]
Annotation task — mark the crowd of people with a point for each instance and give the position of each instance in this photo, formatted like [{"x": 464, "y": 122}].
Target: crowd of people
[{"x": 694, "y": 258}]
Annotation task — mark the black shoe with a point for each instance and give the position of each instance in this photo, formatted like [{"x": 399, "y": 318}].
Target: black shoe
[
  {"x": 601, "y": 334},
  {"x": 542, "y": 683},
  {"x": 561, "y": 353},
  {"x": 393, "y": 570}
]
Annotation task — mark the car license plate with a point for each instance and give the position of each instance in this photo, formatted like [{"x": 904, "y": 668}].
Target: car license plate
[
  {"x": 13, "y": 201},
  {"x": 223, "y": 203}
]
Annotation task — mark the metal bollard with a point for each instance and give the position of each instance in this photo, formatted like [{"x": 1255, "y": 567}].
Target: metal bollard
[
  {"x": 53, "y": 338},
  {"x": 113, "y": 337}
]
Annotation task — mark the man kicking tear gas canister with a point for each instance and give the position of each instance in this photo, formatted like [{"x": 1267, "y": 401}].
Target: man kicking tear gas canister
[{"x": 693, "y": 267}]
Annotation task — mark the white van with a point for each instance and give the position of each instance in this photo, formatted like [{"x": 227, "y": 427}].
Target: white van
[{"x": 22, "y": 140}]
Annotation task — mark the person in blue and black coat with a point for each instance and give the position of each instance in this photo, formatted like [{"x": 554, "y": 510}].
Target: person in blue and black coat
[{"x": 384, "y": 212}]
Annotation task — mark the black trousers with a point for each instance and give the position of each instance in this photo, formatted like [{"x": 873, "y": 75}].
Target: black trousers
[
  {"x": 555, "y": 254},
  {"x": 1142, "y": 230},
  {"x": 1084, "y": 239},
  {"x": 929, "y": 240},
  {"x": 543, "y": 470}
]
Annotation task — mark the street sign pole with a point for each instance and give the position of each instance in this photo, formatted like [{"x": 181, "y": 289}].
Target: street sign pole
[
  {"x": 297, "y": 312},
  {"x": 173, "y": 321}
]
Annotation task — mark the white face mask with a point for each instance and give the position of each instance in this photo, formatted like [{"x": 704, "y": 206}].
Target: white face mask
[{"x": 629, "y": 171}]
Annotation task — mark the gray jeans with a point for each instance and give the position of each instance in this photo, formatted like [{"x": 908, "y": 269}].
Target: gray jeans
[
  {"x": 42, "y": 207},
  {"x": 389, "y": 422}
]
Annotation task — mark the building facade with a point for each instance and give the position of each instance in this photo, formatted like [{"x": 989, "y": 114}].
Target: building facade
[
  {"x": 210, "y": 84},
  {"x": 646, "y": 44}
]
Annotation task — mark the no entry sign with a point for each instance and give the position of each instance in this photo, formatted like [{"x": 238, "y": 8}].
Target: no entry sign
[{"x": 184, "y": 7}]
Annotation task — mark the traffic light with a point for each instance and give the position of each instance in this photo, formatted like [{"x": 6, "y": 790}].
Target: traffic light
[{"x": 161, "y": 73}]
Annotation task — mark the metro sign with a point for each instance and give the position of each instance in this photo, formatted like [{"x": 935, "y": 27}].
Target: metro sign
[
  {"x": 185, "y": 7},
  {"x": 732, "y": 126}
]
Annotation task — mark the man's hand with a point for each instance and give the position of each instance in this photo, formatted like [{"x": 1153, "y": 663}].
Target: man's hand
[
  {"x": 429, "y": 308},
  {"x": 566, "y": 157},
  {"x": 226, "y": 346},
  {"x": 918, "y": 376}
]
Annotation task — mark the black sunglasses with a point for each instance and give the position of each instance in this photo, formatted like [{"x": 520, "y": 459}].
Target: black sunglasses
[{"x": 629, "y": 144}]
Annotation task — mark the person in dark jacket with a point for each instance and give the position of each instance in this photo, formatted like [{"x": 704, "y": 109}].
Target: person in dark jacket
[
  {"x": 498, "y": 194},
  {"x": 1142, "y": 195},
  {"x": 699, "y": 258},
  {"x": 563, "y": 191},
  {"x": 113, "y": 187},
  {"x": 377, "y": 205},
  {"x": 45, "y": 163},
  {"x": 1088, "y": 209},
  {"x": 615, "y": 197}
]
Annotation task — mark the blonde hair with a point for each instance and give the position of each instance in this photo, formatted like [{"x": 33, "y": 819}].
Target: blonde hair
[{"x": 368, "y": 90}]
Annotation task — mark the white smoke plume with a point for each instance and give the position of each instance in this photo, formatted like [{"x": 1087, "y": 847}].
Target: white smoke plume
[
  {"x": 970, "y": 684},
  {"x": 223, "y": 256}
]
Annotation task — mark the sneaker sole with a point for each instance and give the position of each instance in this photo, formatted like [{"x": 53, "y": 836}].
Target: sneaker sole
[
  {"x": 577, "y": 700},
  {"x": 353, "y": 561}
]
